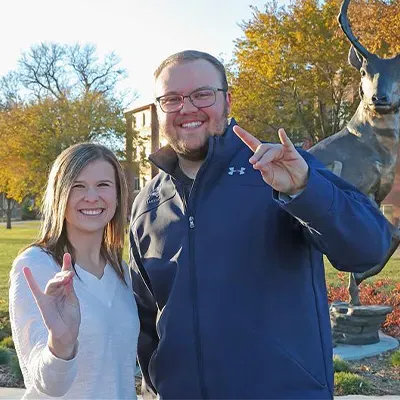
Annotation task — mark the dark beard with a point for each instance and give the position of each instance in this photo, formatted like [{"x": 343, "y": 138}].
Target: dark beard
[
  {"x": 200, "y": 153},
  {"x": 191, "y": 155}
]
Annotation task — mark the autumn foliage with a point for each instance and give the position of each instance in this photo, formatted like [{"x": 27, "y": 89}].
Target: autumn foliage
[
  {"x": 381, "y": 292},
  {"x": 290, "y": 67},
  {"x": 58, "y": 96}
]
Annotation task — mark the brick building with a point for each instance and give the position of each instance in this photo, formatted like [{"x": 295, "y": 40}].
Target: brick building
[{"x": 142, "y": 139}]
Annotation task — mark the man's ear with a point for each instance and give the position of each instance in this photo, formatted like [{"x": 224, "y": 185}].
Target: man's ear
[
  {"x": 355, "y": 58},
  {"x": 228, "y": 98}
]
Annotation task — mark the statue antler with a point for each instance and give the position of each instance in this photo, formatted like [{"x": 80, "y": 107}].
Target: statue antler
[{"x": 345, "y": 25}]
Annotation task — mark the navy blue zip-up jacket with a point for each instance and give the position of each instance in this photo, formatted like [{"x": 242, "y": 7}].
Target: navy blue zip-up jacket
[{"x": 230, "y": 282}]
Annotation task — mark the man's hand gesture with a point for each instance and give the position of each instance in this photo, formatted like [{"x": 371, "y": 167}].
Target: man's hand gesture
[
  {"x": 60, "y": 309},
  {"x": 280, "y": 164}
]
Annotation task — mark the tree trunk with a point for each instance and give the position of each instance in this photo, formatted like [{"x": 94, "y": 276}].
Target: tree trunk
[{"x": 8, "y": 212}]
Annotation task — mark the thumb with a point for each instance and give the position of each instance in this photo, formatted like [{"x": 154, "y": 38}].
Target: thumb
[
  {"x": 70, "y": 293},
  {"x": 67, "y": 263},
  {"x": 69, "y": 286},
  {"x": 284, "y": 138}
]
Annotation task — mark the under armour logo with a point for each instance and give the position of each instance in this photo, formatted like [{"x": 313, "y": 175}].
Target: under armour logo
[
  {"x": 153, "y": 197},
  {"x": 232, "y": 170}
]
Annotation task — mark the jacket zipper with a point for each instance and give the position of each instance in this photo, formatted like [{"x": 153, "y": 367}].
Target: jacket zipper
[
  {"x": 192, "y": 274},
  {"x": 196, "y": 319},
  {"x": 193, "y": 291}
]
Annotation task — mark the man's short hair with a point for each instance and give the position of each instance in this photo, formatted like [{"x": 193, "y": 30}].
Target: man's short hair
[{"x": 192, "y": 55}]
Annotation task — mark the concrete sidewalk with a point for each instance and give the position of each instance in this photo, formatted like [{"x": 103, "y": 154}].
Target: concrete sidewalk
[
  {"x": 357, "y": 397},
  {"x": 346, "y": 352},
  {"x": 357, "y": 352},
  {"x": 11, "y": 394}
]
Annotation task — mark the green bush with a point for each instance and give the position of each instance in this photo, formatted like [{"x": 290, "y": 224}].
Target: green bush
[
  {"x": 396, "y": 359},
  {"x": 15, "y": 368},
  {"x": 348, "y": 383},
  {"x": 7, "y": 342},
  {"x": 28, "y": 211},
  {"x": 4, "y": 356},
  {"x": 340, "y": 365},
  {"x": 5, "y": 326}
]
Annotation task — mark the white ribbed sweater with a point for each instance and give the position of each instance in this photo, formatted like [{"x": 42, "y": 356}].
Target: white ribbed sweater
[{"x": 104, "y": 367}]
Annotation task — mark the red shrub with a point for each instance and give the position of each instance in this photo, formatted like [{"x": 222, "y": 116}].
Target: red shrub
[{"x": 382, "y": 292}]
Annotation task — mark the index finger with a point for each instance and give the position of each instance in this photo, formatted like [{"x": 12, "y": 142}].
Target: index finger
[
  {"x": 35, "y": 289},
  {"x": 247, "y": 138}
]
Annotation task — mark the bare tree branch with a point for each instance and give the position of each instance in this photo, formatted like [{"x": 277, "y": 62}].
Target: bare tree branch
[
  {"x": 95, "y": 76},
  {"x": 43, "y": 69},
  {"x": 10, "y": 88}
]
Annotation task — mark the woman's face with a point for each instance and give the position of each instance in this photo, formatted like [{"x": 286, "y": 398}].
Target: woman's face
[{"x": 92, "y": 200}]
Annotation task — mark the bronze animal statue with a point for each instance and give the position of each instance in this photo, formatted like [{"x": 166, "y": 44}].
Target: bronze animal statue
[{"x": 365, "y": 152}]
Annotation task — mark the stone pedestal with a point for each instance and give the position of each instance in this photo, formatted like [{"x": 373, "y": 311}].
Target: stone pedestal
[{"x": 357, "y": 324}]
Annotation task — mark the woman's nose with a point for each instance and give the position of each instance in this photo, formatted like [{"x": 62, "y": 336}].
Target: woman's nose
[{"x": 91, "y": 195}]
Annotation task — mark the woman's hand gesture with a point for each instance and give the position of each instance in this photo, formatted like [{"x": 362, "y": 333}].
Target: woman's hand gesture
[{"x": 59, "y": 308}]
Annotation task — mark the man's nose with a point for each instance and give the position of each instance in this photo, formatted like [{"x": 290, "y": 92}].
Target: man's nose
[{"x": 188, "y": 106}]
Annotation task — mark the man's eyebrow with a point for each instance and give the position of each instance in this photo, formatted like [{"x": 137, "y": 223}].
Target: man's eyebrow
[
  {"x": 202, "y": 88},
  {"x": 180, "y": 94},
  {"x": 169, "y": 93}
]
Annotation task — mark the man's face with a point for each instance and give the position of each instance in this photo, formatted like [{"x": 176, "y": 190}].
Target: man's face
[{"x": 188, "y": 130}]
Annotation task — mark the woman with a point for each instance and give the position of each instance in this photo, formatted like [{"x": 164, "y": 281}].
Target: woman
[{"x": 76, "y": 329}]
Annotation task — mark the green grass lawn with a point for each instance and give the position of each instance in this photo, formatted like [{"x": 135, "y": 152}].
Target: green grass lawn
[
  {"x": 11, "y": 241},
  {"x": 391, "y": 271},
  {"x": 22, "y": 233}
]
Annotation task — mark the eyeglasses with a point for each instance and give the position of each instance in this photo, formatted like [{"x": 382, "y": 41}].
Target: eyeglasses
[{"x": 200, "y": 98}]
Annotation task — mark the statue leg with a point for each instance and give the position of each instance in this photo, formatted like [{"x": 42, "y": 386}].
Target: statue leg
[
  {"x": 360, "y": 276},
  {"x": 354, "y": 291}
]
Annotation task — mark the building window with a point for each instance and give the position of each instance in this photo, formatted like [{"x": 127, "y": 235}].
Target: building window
[
  {"x": 137, "y": 120},
  {"x": 144, "y": 119},
  {"x": 137, "y": 183}
]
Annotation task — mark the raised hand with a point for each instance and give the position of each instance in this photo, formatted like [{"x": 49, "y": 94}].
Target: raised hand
[
  {"x": 280, "y": 164},
  {"x": 60, "y": 309}
]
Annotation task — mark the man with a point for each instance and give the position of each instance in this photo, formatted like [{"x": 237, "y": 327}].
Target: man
[{"x": 226, "y": 250}]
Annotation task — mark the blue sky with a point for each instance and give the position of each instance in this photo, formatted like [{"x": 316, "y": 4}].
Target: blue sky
[{"x": 141, "y": 32}]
